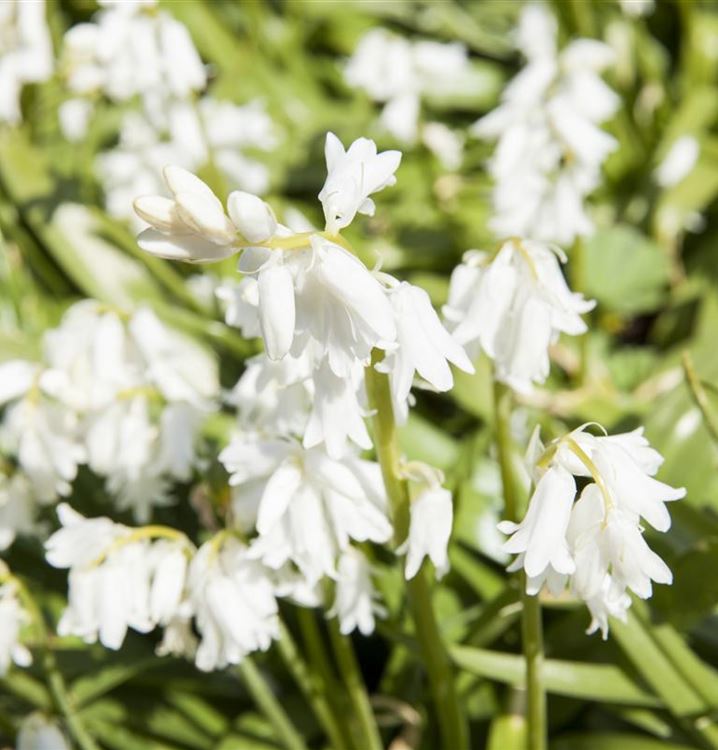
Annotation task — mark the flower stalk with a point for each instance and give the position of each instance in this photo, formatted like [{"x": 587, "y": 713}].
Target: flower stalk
[
  {"x": 451, "y": 719},
  {"x": 531, "y": 625}
]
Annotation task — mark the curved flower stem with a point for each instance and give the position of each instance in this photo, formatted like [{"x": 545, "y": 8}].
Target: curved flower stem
[
  {"x": 531, "y": 626},
  {"x": 452, "y": 722},
  {"x": 312, "y": 689},
  {"x": 270, "y": 706},
  {"x": 699, "y": 395},
  {"x": 354, "y": 683}
]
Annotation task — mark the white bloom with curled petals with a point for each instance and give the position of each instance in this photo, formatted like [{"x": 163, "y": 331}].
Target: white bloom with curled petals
[
  {"x": 678, "y": 162},
  {"x": 233, "y": 597},
  {"x": 353, "y": 175},
  {"x": 355, "y": 603},
  {"x": 423, "y": 346},
  {"x": 513, "y": 307}
]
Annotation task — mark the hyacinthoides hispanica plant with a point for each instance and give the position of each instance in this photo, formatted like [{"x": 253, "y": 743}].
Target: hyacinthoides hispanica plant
[{"x": 320, "y": 495}]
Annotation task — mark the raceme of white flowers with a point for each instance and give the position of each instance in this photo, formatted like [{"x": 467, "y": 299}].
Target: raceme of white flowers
[
  {"x": 25, "y": 53},
  {"x": 397, "y": 73},
  {"x": 513, "y": 306},
  {"x": 550, "y": 148},
  {"x": 298, "y": 482},
  {"x": 121, "y": 393},
  {"x": 592, "y": 541}
]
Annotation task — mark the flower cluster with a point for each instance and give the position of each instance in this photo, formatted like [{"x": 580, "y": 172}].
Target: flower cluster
[
  {"x": 25, "y": 53},
  {"x": 512, "y": 306},
  {"x": 295, "y": 471},
  {"x": 135, "y": 50},
  {"x": 123, "y": 394},
  {"x": 550, "y": 148},
  {"x": 398, "y": 73},
  {"x": 595, "y": 544}
]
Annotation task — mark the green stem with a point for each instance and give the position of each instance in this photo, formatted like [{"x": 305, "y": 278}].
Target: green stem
[
  {"x": 578, "y": 284},
  {"x": 267, "y": 702},
  {"x": 316, "y": 649},
  {"x": 349, "y": 669},
  {"x": 532, "y": 636},
  {"x": 312, "y": 688},
  {"x": 531, "y": 626},
  {"x": 502, "y": 426},
  {"x": 452, "y": 722}
]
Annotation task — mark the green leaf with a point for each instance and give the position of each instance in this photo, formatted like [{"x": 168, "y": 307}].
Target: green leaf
[
  {"x": 89, "y": 688},
  {"x": 599, "y": 682},
  {"x": 626, "y": 272},
  {"x": 613, "y": 741},
  {"x": 650, "y": 661}
]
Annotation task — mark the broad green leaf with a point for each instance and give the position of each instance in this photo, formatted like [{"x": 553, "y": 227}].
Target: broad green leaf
[
  {"x": 626, "y": 272},
  {"x": 599, "y": 682},
  {"x": 90, "y": 687}
]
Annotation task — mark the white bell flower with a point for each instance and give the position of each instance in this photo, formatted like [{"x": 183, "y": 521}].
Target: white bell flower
[
  {"x": 513, "y": 307},
  {"x": 308, "y": 506},
  {"x": 431, "y": 518},
  {"x": 118, "y": 578},
  {"x": 341, "y": 307},
  {"x": 39, "y": 732},
  {"x": 233, "y": 598},
  {"x": 13, "y": 617},
  {"x": 423, "y": 346},
  {"x": 336, "y": 414},
  {"x": 352, "y": 176},
  {"x": 43, "y": 435},
  {"x": 356, "y": 601},
  {"x": 25, "y": 53},
  {"x": 191, "y": 226},
  {"x": 595, "y": 544}
]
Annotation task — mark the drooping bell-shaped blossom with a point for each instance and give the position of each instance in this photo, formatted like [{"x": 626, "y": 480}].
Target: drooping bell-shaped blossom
[
  {"x": 423, "y": 346},
  {"x": 593, "y": 543},
  {"x": 513, "y": 307},
  {"x": 307, "y": 507},
  {"x": 430, "y": 522},
  {"x": 356, "y": 602},
  {"x": 233, "y": 598}
]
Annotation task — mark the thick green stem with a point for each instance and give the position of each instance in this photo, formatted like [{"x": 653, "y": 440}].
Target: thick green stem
[
  {"x": 312, "y": 688},
  {"x": 267, "y": 702},
  {"x": 531, "y": 629},
  {"x": 349, "y": 668},
  {"x": 452, "y": 721},
  {"x": 532, "y": 636}
]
